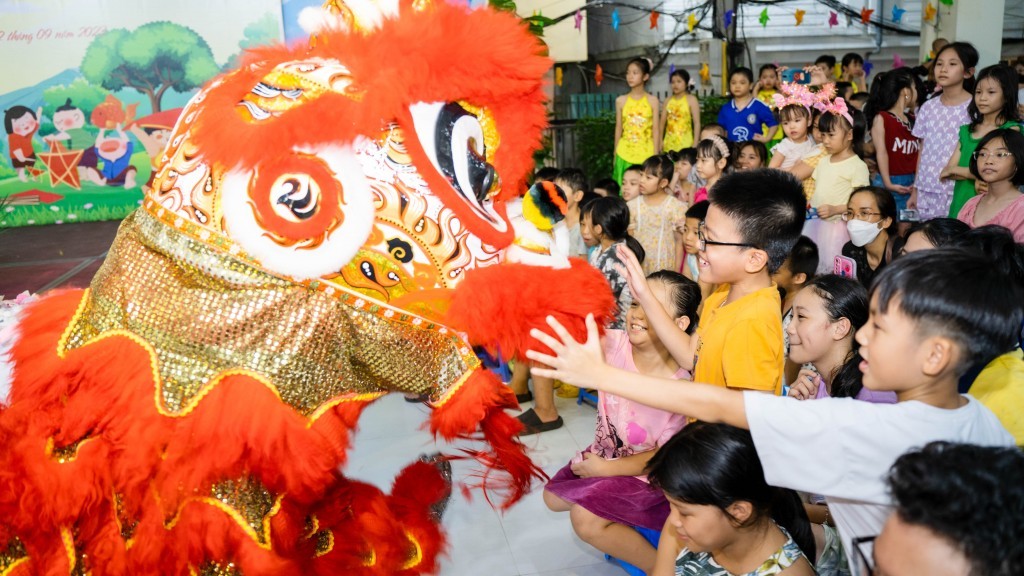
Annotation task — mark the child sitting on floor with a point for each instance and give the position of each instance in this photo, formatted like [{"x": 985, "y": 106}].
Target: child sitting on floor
[{"x": 603, "y": 488}]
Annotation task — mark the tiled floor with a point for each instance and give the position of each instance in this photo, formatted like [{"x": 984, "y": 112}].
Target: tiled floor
[{"x": 528, "y": 539}]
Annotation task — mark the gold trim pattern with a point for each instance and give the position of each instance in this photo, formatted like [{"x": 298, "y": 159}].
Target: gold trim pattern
[
  {"x": 13, "y": 556},
  {"x": 246, "y": 501}
]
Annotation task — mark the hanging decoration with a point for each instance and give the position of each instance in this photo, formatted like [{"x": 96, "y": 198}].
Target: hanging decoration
[
  {"x": 897, "y": 14},
  {"x": 558, "y": 76},
  {"x": 929, "y": 12},
  {"x": 599, "y": 75},
  {"x": 868, "y": 66},
  {"x": 705, "y": 74},
  {"x": 691, "y": 21},
  {"x": 671, "y": 69},
  {"x": 946, "y": 2},
  {"x": 654, "y": 19},
  {"x": 763, "y": 18},
  {"x": 833, "y": 19},
  {"x": 865, "y": 15},
  {"x": 578, "y": 20},
  {"x": 615, "y": 20},
  {"x": 897, "y": 61},
  {"x": 799, "y": 15},
  {"x": 729, "y": 16}
]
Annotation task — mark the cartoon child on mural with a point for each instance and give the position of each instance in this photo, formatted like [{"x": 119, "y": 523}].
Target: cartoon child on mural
[
  {"x": 21, "y": 124},
  {"x": 116, "y": 153},
  {"x": 69, "y": 120}
]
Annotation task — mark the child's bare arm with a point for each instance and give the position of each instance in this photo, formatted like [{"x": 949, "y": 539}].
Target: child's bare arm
[
  {"x": 668, "y": 551},
  {"x": 656, "y": 128},
  {"x": 619, "y": 102},
  {"x": 582, "y": 364},
  {"x": 777, "y": 159},
  {"x": 678, "y": 343},
  {"x": 695, "y": 113}
]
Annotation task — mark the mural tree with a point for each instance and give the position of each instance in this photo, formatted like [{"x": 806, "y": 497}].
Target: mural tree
[
  {"x": 260, "y": 32},
  {"x": 84, "y": 95},
  {"x": 153, "y": 58}
]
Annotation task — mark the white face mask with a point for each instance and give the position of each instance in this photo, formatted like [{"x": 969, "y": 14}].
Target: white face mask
[{"x": 862, "y": 233}]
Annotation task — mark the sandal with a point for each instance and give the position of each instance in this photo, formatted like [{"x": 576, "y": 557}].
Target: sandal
[
  {"x": 532, "y": 424},
  {"x": 524, "y": 397}
]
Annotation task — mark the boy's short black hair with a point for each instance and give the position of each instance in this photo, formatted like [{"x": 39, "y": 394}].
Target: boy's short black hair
[
  {"x": 768, "y": 207},
  {"x": 547, "y": 173},
  {"x": 804, "y": 257},
  {"x": 826, "y": 59},
  {"x": 717, "y": 128},
  {"x": 634, "y": 168},
  {"x": 959, "y": 294},
  {"x": 608, "y": 184},
  {"x": 699, "y": 210},
  {"x": 971, "y": 496},
  {"x": 575, "y": 178},
  {"x": 860, "y": 97},
  {"x": 687, "y": 154}
]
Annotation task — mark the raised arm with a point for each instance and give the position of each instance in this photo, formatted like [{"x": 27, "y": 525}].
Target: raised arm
[
  {"x": 678, "y": 343},
  {"x": 582, "y": 364}
]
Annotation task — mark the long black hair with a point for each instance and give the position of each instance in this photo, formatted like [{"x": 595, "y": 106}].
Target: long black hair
[
  {"x": 1006, "y": 78},
  {"x": 885, "y": 92},
  {"x": 612, "y": 214},
  {"x": 844, "y": 298},
  {"x": 717, "y": 465}
]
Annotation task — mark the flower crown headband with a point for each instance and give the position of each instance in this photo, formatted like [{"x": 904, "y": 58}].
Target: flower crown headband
[
  {"x": 720, "y": 144},
  {"x": 791, "y": 93},
  {"x": 827, "y": 102}
]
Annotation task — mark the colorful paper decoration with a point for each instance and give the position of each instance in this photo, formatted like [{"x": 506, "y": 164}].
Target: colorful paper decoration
[
  {"x": 705, "y": 73},
  {"x": 897, "y": 14},
  {"x": 671, "y": 69},
  {"x": 691, "y": 21},
  {"x": 868, "y": 66},
  {"x": 865, "y": 15},
  {"x": 615, "y": 20},
  {"x": 729, "y": 16},
  {"x": 63, "y": 165},
  {"x": 578, "y": 20},
  {"x": 897, "y": 61},
  {"x": 763, "y": 18},
  {"x": 946, "y": 2},
  {"x": 654, "y": 19},
  {"x": 833, "y": 19},
  {"x": 558, "y": 76},
  {"x": 599, "y": 75},
  {"x": 799, "y": 15},
  {"x": 929, "y": 11}
]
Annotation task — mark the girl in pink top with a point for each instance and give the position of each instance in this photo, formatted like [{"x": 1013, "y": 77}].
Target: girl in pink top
[
  {"x": 827, "y": 313},
  {"x": 998, "y": 161},
  {"x": 604, "y": 488}
]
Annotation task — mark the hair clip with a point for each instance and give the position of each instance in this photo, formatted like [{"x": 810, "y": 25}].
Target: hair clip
[
  {"x": 826, "y": 103},
  {"x": 720, "y": 144}
]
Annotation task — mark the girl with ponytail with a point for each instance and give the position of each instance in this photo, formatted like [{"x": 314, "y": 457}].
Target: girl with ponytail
[{"x": 725, "y": 519}]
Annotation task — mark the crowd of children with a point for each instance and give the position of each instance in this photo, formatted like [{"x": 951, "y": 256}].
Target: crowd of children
[{"x": 871, "y": 261}]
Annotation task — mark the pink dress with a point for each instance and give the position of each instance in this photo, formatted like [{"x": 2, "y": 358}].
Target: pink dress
[
  {"x": 1011, "y": 217},
  {"x": 938, "y": 127},
  {"x": 624, "y": 428}
]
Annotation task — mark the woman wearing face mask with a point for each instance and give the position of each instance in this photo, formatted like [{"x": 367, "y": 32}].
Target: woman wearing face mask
[{"x": 871, "y": 221}]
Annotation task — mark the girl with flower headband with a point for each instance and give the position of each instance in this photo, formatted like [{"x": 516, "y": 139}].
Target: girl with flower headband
[
  {"x": 794, "y": 105},
  {"x": 713, "y": 158},
  {"x": 836, "y": 176},
  {"x": 637, "y": 134}
]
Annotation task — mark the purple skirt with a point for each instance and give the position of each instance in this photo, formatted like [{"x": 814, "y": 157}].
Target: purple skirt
[{"x": 622, "y": 499}]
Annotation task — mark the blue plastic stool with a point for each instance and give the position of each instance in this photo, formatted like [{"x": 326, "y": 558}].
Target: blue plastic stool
[
  {"x": 651, "y": 536},
  {"x": 588, "y": 397}
]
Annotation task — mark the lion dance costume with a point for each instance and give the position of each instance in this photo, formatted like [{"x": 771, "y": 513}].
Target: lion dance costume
[{"x": 329, "y": 222}]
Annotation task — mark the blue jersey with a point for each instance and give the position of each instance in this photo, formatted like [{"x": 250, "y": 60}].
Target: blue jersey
[{"x": 741, "y": 125}]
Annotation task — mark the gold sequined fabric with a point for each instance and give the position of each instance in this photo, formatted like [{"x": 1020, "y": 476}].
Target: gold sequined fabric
[
  {"x": 217, "y": 569},
  {"x": 207, "y": 310},
  {"x": 249, "y": 502},
  {"x": 13, "y": 555}
]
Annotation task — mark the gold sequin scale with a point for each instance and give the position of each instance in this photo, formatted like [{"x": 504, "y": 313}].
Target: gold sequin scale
[{"x": 207, "y": 313}]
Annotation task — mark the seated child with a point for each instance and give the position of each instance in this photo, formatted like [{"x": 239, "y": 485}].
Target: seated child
[
  {"x": 932, "y": 315},
  {"x": 725, "y": 517},
  {"x": 681, "y": 187},
  {"x": 603, "y": 488}
]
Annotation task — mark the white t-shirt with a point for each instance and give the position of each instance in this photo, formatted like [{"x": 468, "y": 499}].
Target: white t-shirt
[{"x": 843, "y": 448}]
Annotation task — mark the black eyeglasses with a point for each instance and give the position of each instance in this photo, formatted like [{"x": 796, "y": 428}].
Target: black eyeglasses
[
  {"x": 703, "y": 242},
  {"x": 864, "y": 549}
]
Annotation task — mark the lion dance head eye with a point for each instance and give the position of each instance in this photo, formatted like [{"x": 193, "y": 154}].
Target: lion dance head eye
[{"x": 303, "y": 214}]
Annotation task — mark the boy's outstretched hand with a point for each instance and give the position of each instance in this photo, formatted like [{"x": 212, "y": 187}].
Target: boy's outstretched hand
[{"x": 579, "y": 364}]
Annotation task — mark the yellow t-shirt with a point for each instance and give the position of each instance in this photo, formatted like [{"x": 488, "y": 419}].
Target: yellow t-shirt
[
  {"x": 834, "y": 181},
  {"x": 1000, "y": 387},
  {"x": 637, "y": 141},
  {"x": 739, "y": 345}
]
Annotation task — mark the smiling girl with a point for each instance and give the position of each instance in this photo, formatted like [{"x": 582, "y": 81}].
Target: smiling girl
[{"x": 999, "y": 162}]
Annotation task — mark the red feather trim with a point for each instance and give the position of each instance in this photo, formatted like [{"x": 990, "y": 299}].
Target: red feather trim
[
  {"x": 497, "y": 306},
  {"x": 482, "y": 399}
]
